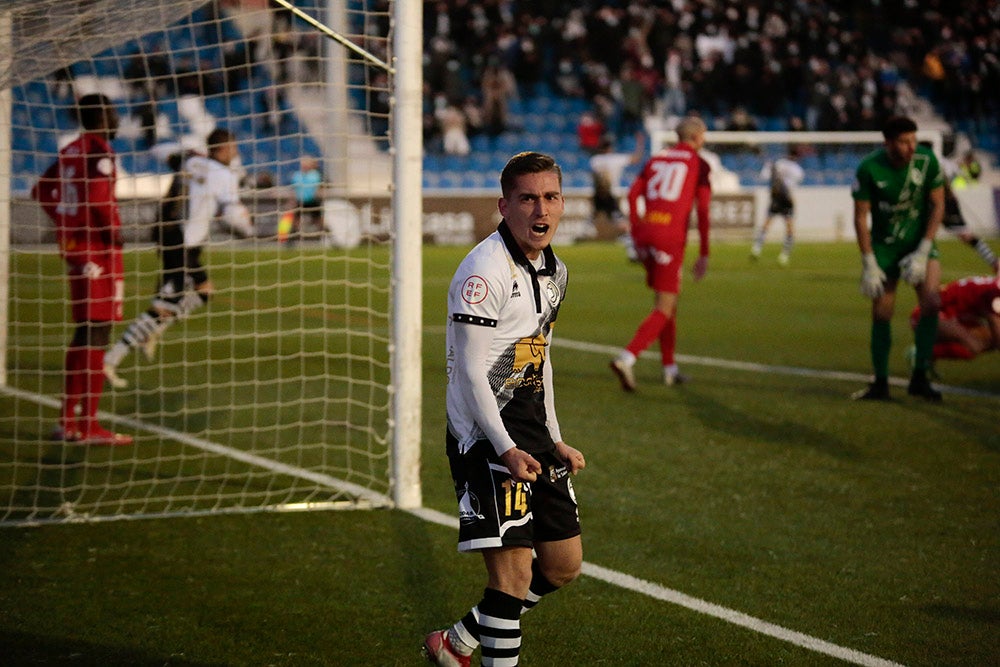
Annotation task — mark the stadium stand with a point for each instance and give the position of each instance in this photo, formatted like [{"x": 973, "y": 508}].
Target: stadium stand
[
  {"x": 809, "y": 65},
  {"x": 177, "y": 76},
  {"x": 819, "y": 66}
]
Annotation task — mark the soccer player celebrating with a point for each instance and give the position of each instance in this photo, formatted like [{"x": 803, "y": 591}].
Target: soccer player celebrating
[
  {"x": 509, "y": 464},
  {"x": 670, "y": 184},
  {"x": 78, "y": 193},
  {"x": 901, "y": 187},
  {"x": 969, "y": 320},
  {"x": 206, "y": 185}
]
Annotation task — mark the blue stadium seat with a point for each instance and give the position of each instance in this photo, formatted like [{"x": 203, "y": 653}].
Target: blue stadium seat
[
  {"x": 578, "y": 180},
  {"x": 535, "y": 123},
  {"x": 450, "y": 179},
  {"x": 431, "y": 179},
  {"x": 480, "y": 143},
  {"x": 481, "y": 162}
]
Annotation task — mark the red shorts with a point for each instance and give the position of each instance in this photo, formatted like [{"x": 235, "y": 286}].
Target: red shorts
[
  {"x": 663, "y": 262},
  {"x": 96, "y": 296}
]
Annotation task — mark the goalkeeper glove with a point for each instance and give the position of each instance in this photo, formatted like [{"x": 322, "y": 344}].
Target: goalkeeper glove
[
  {"x": 872, "y": 277},
  {"x": 913, "y": 267}
]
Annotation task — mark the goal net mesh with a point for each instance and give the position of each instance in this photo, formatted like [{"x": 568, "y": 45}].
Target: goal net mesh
[{"x": 274, "y": 395}]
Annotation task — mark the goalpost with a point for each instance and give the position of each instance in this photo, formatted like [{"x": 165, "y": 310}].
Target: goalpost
[{"x": 298, "y": 385}]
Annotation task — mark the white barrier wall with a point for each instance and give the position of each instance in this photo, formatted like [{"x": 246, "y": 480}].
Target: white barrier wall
[{"x": 827, "y": 213}]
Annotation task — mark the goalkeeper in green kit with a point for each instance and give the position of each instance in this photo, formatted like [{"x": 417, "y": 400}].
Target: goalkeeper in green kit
[{"x": 901, "y": 186}]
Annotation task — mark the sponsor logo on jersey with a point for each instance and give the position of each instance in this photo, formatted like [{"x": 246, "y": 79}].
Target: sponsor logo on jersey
[
  {"x": 529, "y": 353},
  {"x": 659, "y": 218}
]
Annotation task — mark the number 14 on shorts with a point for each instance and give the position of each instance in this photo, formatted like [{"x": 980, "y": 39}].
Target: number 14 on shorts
[{"x": 515, "y": 498}]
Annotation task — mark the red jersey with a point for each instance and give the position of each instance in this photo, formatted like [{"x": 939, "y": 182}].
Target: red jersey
[
  {"x": 670, "y": 183},
  {"x": 78, "y": 193},
  {"x": 971, "y": 298}
]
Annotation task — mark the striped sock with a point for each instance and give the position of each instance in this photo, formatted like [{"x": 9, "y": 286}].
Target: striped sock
[
  {"x": 464, "y": 635},
  {"x": 144, "y": 326},
  {"x": 500, "y": 628},
  {"x": 984, "y": 251},
  {"x": 539, "y": 586},
  {"x": 788, "y": 245}
]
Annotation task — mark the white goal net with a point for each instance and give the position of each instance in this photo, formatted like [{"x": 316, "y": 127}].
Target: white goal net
[{"x": 283, "y": 390}]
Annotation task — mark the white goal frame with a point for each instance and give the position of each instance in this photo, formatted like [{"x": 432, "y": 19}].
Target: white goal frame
[{"x": 405, "y": 300}]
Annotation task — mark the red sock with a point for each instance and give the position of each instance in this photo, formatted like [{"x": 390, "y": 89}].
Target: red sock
[
  {"x": 952, "y": 350},
  {"x": 95, "y": 386},
  {"x": 647, "y": 332},
  {"x": 74, "y": 384},
  {"x": 668, "y": 341}
]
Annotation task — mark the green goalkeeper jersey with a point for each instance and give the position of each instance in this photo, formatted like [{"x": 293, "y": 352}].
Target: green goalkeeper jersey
[{"x": 899, "y": 196}]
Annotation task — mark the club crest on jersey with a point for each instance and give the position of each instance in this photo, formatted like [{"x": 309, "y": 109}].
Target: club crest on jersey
[
  {"x": 552, "y": 293},
  {"x": 516, "y": 291},
  {"x": 474, "y": 290}
]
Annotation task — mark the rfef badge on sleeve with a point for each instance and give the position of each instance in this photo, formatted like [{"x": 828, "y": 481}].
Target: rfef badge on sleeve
[{"x": 474, "y": 290}]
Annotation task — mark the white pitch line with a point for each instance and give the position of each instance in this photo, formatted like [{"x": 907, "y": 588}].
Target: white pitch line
[
  {"x": 664, "y": 594},
  {"x": 613, "y": 577},
  {"x": 750, "y": 366},
  {"x": 321, "y": 479}
]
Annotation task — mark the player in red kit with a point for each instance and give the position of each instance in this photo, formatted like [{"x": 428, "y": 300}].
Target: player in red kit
[
  {"x": 671, "y": 183},
  {"x": 78, "y": 193},
  {"x": 969, "y": 320}
]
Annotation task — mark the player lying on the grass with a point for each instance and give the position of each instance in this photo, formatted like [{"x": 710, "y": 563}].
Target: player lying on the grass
[
  {"x": 202, "y": 187},
  {"x": 969, "y": 321}
]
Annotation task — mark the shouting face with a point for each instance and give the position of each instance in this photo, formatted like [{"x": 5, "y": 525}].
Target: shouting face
[{"x": 532, "y": 209}]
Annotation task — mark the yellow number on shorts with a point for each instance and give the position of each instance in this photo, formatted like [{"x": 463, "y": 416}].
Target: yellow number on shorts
[{"x": 515, "y": 500}]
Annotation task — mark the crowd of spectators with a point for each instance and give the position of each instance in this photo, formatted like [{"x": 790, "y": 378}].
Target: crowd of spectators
[{"x": 829, "y": 65}]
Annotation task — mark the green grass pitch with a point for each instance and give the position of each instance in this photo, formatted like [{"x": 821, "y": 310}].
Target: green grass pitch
[{"x": 768, "y": 492}]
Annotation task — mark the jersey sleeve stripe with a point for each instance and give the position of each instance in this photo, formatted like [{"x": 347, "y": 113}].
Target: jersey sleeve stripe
[{"x": 462, "y": 318}]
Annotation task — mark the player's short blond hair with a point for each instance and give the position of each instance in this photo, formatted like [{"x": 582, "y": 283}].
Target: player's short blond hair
[{"x": 690, "y": 127}]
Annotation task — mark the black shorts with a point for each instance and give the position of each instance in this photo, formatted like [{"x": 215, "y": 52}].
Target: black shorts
[
  {"x": 606, "y": 204},
  {"x": 781, "y": 205},
  {"x": 953, "y": 220},
  {"x": 182, "y": 270},
  {"x": 494, "y": 511}
]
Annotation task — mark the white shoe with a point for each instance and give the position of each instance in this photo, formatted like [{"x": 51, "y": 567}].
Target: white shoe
[
  {"x": 670, "y": 378},
  {"x": 624, "y": 372},
  {"x": 111, "y": 374},
  {"x": 783, "y": 258},
  {"x": 150, "y": 345},
  {"x": 755, "y": 250}
]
